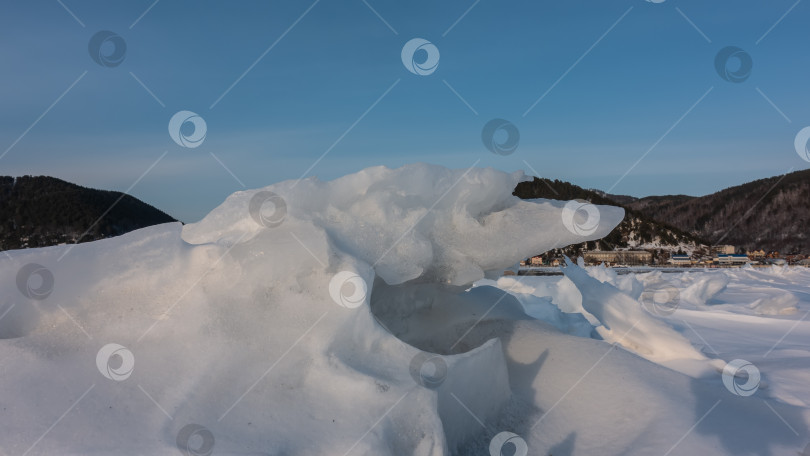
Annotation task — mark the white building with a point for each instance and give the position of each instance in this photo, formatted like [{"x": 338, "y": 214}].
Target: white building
[
  {"x": 629, "y": 257},
  {"x": 680, "y": 260},
  {"x": 728, "y": 259}
]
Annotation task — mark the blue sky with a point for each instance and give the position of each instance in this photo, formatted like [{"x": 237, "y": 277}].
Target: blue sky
[{"x": 619, "y": 77}]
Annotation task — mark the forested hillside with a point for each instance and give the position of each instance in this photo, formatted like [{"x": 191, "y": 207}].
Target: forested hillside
[
  {"x": 770, "y": 214},
  {"x": 41, "y": 211}
]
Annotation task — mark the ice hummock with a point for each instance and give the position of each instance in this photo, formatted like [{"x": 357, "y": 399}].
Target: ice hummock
[
  {"x": 232, "y": 329},
  {"x": 418, "y": 222}
]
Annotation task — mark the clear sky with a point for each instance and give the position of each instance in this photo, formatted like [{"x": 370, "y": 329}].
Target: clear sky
[{"x": 280, "y": 84}]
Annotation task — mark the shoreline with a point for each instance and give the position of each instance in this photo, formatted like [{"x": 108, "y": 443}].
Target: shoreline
[{"x": 621, "y": 270}]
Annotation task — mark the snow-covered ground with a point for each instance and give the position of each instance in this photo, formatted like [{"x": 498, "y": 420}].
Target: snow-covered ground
[
  {"x": 759, "y": 316},
  {"x": 366, "y": 315}
]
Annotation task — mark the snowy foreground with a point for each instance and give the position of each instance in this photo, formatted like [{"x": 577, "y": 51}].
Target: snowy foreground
[{"x": 366, "y": 316}]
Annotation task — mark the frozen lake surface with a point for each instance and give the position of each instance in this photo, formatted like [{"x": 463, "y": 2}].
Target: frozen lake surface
[{"x": 353, "y": 317}]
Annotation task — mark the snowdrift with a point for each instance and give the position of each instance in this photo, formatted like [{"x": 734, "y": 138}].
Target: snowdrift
[{"x": 313, "y": 318}]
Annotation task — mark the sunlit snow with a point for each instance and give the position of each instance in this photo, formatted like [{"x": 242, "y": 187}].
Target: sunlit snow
[{"x": 369, "y": 315}]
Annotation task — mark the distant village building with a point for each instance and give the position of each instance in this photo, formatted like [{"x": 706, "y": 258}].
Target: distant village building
[
  {"x": 725, "y": 249},
  {"x": 756, "y": 254},
  {"x": 628, "y": 257},
  {"x": 732, "y": 259},
  {"x": 598, "y": 256},
  {"x": 680, "y": 260},
  {"x": 536, "y": 260},
  {"x": 633, "y": 257}
]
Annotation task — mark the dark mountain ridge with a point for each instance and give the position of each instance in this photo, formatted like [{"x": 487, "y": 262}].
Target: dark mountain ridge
[
  {"x": 770, "y": 214},
  {"x": 636, "y": 231},
  {"x": 38, "y": 211}
]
